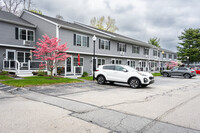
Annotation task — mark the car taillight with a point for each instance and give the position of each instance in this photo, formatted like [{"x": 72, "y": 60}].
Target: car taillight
[{"x": 97, "y": 70}]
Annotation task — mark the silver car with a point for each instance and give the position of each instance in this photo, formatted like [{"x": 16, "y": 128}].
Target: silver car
[{"x": 179, "y": 71}]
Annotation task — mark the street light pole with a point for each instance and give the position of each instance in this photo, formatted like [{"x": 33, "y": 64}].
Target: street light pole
[{"x": 94, "y": 60}]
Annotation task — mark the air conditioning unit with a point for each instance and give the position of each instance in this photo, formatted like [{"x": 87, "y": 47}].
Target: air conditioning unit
[
  {"x": 26, "y": 42},
  {"x": 146, "y": 56},
  {"x": 121, "y": 53}
]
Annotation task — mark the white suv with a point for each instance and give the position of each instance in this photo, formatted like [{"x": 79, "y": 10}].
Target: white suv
[{"x": 123, "y": 74}]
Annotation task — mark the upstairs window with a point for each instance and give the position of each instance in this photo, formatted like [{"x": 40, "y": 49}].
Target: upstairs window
[
  {"x": 175, "y": 57},
  {"x": 170, "y": 56},
  {"x": 25, "y": 34},
  {"x": 164, "y": 55},
  {"x": 146, "y": 51},
  {"x": 104, "y": 44},
  {"x": 121, "y": 47},
  {"x": 135, "y": 49},
  {"x": 159, "y": 54},
  {"x": 154, "y": 53},
  {"x": 81, "y": 40}
]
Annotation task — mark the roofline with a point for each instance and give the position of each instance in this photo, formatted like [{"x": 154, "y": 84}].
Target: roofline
[
  {"x": 14, "y": 22},
  {"x": 16, "y": 46},
  {"x": 39, "y": 17}
]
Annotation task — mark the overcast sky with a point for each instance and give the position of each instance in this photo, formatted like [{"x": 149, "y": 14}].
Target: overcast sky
[{"x": 138, "y": 19}]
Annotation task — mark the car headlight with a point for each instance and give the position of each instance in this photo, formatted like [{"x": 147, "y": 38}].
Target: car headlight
[{"x": 142, "y": 74}]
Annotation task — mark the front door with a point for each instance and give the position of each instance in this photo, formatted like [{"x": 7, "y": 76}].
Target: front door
[
  {"x": 69, "y": 65},
  {"x": 93, "y": 65}
]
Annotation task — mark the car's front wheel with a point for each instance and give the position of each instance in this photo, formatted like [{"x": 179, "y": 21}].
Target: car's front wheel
[
  {"x": 187, "y": 76},
  {"x": 101, "y": 80},
  {"x": 134, "y": 83},
  {"x": 165, "y": 74}
]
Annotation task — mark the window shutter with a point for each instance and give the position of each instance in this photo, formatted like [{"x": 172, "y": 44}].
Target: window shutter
[
  {"x": 124, "y": 47},
  {"x": 109, "y": 45},
  {"x": 132, "y": 49},
  {"x": 117, "y": 46},
  {"x": 88, "y": 42},
  {"x": 99, "y": 43},
  {"x": 16, "y": 33},
  {"x": 74, "y": 39}
]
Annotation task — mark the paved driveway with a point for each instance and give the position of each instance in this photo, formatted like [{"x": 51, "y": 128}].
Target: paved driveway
[{"x": 168, "y": 105}]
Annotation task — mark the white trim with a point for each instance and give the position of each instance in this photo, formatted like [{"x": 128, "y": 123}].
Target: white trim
[
  {"x": 26, "y": 34},
  {"x": 107, "y": 55},
  {"x": 10, "y": 50},
  {"x": 14, "y": 46},
  {"x": 40, "y": 17}
]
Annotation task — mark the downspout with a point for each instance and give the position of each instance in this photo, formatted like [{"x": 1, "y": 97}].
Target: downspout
[{"x": 57, "y": 36}]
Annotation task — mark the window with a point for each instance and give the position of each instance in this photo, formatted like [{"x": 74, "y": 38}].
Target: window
[
  {"x": 170, "y": 56},
  {"x": 121, "y": 47},
  {"x": 109, "y": 67},
  {"x": 116, "y": 61},
  {"x": 25, "y": 34},
  {"x": 119, "y": 68},
  {"x": 81, "y": 40},
  {"x": 23, "y": 56},
  {"x": 146, "y": 51},
  {"x": 175, "y": 57},
  {"x": 101, "y": 62},
  {"x": 158, "y": 53},
  {"x": 135, "y": 49},
  {"x": 76, "y": 61},
  {"x": 131, "y": 63},
  {"x": 164, "y": 55},
  {"x": 154, "y": 53},
  {"x": 182, "y": 68},
  {"x": 143, "y": 64},
  {"x": 104, "y": 44}
]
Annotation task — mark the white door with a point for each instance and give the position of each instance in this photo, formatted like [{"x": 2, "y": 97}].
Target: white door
[{"x": 69, "y": 65}]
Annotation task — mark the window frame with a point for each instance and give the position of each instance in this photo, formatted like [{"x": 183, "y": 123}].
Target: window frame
[
  {"x": 26, "y": 34},
  {"x": 24, "y": 58},
  {"x": 145, "y": 51},
  {"x": 104, "y": 43},
  {"x": 82, "y": 40},
  {"x": 77, "y": 61},
  {"x": 136, "y": 49},
  {"x": 122, "y": 47}
]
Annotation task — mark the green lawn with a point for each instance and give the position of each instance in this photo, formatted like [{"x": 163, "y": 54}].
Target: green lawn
[
  {"x": 87, "y": 78},
  {"x": 39, "y": 80},
  {"x": 4, "y": 77},
  {"x": 156, "y": 74}
]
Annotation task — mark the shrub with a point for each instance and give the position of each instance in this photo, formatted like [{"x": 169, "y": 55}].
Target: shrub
[
  {"x": 4, "y": 73},
  {"x": 42, "y": 73},
  {"x": 85, "y": 74}
]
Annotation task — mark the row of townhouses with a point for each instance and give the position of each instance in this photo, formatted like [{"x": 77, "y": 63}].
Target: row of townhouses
[{"x": 18, "y": 37}]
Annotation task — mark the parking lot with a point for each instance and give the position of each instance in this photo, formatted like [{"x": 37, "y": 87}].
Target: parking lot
[{"x": 169, "y": 105}]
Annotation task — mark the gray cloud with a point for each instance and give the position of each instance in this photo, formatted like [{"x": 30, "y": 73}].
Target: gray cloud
[{"x": 138, "y": 19}]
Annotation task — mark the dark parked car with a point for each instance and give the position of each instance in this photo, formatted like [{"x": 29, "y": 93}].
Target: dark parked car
[{"x": 179, "y": 71}]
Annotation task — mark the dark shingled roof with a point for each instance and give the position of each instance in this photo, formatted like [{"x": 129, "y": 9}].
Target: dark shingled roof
[
  {"x": 85, "y": 27},
  {"x": 9, "y": 17}
]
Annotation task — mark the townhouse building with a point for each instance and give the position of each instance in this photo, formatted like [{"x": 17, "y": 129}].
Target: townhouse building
[{"x": 18, "y": 36}]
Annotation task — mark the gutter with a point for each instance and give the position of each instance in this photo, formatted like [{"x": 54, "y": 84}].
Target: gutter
[{"x": 16, "y": 46}]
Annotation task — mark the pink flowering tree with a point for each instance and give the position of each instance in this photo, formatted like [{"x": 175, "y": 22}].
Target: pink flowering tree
[
  {"x": 171, "y": 64},
  {"x": 49, "y": 50}
]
